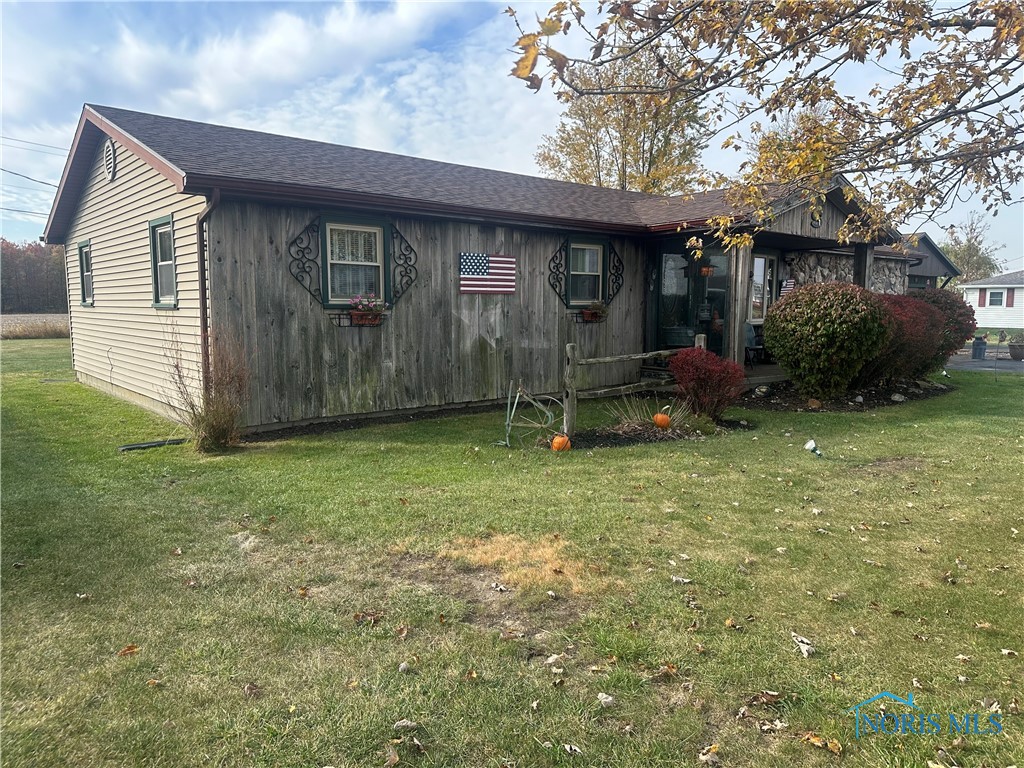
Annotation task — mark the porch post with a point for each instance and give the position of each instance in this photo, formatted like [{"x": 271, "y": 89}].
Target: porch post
[
  {"x": 863, "y": 261},
  {"x": 741, "y": 262}
]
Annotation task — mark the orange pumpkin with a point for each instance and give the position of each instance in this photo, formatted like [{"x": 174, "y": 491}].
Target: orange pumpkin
[
  {"x": 662, "y": 420},
  {"x": 560, "y": 442}
]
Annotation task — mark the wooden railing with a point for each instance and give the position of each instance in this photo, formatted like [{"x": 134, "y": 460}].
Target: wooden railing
[{"x": 572, "y": 364}]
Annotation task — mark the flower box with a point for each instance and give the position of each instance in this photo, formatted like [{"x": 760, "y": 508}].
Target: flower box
[{"x": 360, "y": 317}]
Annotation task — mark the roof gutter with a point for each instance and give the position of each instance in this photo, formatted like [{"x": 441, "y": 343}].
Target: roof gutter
[{"x": 212, "y": 201}]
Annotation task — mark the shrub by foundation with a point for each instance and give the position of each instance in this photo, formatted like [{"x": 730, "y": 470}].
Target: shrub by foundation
[
  {"x": 915, "y": 339},
  {"x": 705, "y": 382},
  {"x": 213, "y": 416},
  {"x": 822, "y": 335},
  {"x": 958, "y": 322}
]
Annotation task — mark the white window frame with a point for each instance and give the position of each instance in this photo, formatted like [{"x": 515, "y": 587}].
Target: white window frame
[
  {"x": 379, "y": 238},
  {"x": 85, "y": 276},
  {"x": 164, "y": 269},
  {"x": 992, "y": 298},
  {"x": 600, "y": 248}
]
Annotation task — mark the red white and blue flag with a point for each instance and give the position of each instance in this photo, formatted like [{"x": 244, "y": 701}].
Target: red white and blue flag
[{"x": 487, "y": 273}]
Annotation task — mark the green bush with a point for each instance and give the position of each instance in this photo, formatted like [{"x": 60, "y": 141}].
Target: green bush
[
  {"x": 958, "y": 322},
  {"x": 823, "y": 334}
]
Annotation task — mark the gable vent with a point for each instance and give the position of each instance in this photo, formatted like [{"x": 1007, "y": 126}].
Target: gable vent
[{"x": 109, "y": 159}]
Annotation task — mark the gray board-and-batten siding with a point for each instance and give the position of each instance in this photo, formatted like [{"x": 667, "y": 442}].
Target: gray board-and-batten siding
[{"x": 437, "y": 346}]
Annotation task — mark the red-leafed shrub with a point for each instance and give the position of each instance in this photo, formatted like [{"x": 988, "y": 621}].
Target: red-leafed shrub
[
  {"x": 823, "y": 333},
  {"x": 958, "y": 325},
  {"x": 705, "y": 382},
  {"x": 916, "y": 336}
]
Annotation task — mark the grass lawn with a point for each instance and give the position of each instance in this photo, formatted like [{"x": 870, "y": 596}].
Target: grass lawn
[{"x": 289, "y": 603}]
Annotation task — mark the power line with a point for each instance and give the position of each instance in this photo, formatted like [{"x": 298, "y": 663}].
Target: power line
[
  {"x": 22, "y": 175},
  {"x": 40, "y": 151},
  {"x": 36, "y": 143},
  {"x": 19, "y": 210}
]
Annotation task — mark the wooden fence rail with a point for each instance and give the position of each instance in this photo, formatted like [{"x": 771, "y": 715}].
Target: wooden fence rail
[{"x": 572, "y": 364}]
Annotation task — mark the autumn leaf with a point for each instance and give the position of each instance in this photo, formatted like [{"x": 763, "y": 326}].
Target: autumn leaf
[
  {"x": 709, "y": 755},
  {"x": 527, "y": 63},
  {"x": 129, "y": 650},
  {"x": 390, "y": 756},
  {"x": 252, "y": 690},
  {"x": 550, "y": 27},
  {"x": 803, "y": 644},
  {"x": 821, "y": 742},
  {"x": 406, "y": 725}
]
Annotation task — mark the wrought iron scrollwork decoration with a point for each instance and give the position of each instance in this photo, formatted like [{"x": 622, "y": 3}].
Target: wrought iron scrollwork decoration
[
  {"x": 305, "y": 261},
  {"x": 616, "y": 271},
  {"x": 403, "y": 265},
  {"x": 558, "y": 272}
]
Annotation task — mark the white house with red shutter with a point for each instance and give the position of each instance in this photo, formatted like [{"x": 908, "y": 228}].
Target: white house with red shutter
[{"x": 998, "y": 301}]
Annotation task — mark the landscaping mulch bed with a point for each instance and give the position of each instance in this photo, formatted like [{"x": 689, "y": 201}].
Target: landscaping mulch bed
[{"x": 782, "y": 396}]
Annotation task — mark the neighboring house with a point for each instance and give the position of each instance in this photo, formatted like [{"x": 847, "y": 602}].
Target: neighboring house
[
  {"x": 179, "y": 232},
  {"x": 998, "y": 301},
  {"x": 931, "y": 267}
]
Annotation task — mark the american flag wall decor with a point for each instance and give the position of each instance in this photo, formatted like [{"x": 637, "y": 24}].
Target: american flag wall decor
[{"x": 487, "y": 273}]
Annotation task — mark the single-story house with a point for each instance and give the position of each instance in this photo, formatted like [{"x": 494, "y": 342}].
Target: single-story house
[
  {"x": 998, "y": 301},
  {"x": 177, "y": 233}
]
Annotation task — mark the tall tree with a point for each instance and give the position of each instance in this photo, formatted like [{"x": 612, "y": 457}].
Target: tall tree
[
  {"x": 944, "y": 116},
  {"x": 968, "y": 247},
  {"x": 644, "y": 143}
]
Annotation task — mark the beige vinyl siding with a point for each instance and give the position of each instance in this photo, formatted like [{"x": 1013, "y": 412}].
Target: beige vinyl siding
[{"x": 122, "y": 342}]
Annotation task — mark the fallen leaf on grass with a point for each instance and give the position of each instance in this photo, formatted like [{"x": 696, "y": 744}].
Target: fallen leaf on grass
[
  {"x": 406, "y": 725},
  {"x": 982, "y": 625},
  {"x": 806, "y": 649},
  {"x": 191, "y": 584},
  {"x": 835, "y": 597},
  {"x": 302, "y": 593},
  {"x": 709, "y": 755},
  {"x": 252, "y": 690},
  {"x": 83, "y": 596},
  {"x": 129, "y": 650},
  {"x": 764, "y": 697},
  {"x": 535, "y": 705},
  {"x": 1008, "y": 652},
  {"x": 771, "y": 726},
  {"x": 369, "y": 618},
  {"x": 572, "y": 749},
  {"x": 498, "y": 587},
  {"x": 390, "y": 756},
  {"x": 962, "y": 659},
  {"x": 176, "y": 551},
  {"x": 402, "y": 631},
  {"x": 821, "y": 742},
  {"x": 153, "y": 682},
  {"x": 681, "y": 580}
]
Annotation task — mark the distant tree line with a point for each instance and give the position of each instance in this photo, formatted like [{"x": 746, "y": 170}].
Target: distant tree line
[{"x": 32, "y": 278}]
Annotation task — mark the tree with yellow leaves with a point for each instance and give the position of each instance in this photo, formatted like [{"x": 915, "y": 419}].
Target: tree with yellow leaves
[
  {"x": 919, "y": 103},
  {"x": 644, "y": 143}
]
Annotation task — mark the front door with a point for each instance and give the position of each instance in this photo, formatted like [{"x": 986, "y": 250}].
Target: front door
[{"x": 690, "y": 296}]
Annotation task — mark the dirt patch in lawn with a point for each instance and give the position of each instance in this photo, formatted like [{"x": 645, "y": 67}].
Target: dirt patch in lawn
[
  {"x": 523, "y": 563},
  {"x": 491, "y": 599}
]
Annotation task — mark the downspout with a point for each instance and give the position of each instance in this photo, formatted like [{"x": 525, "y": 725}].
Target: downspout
[{"x": 204, "y": 316}]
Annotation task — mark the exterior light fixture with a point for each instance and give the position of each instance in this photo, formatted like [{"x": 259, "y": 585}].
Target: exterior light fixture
[
  {"x": 812, "y": 446},
  {"x": 707, "y": 270}
]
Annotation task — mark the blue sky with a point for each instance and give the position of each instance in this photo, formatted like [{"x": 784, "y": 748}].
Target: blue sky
[{"x": 420, "y": 78}]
